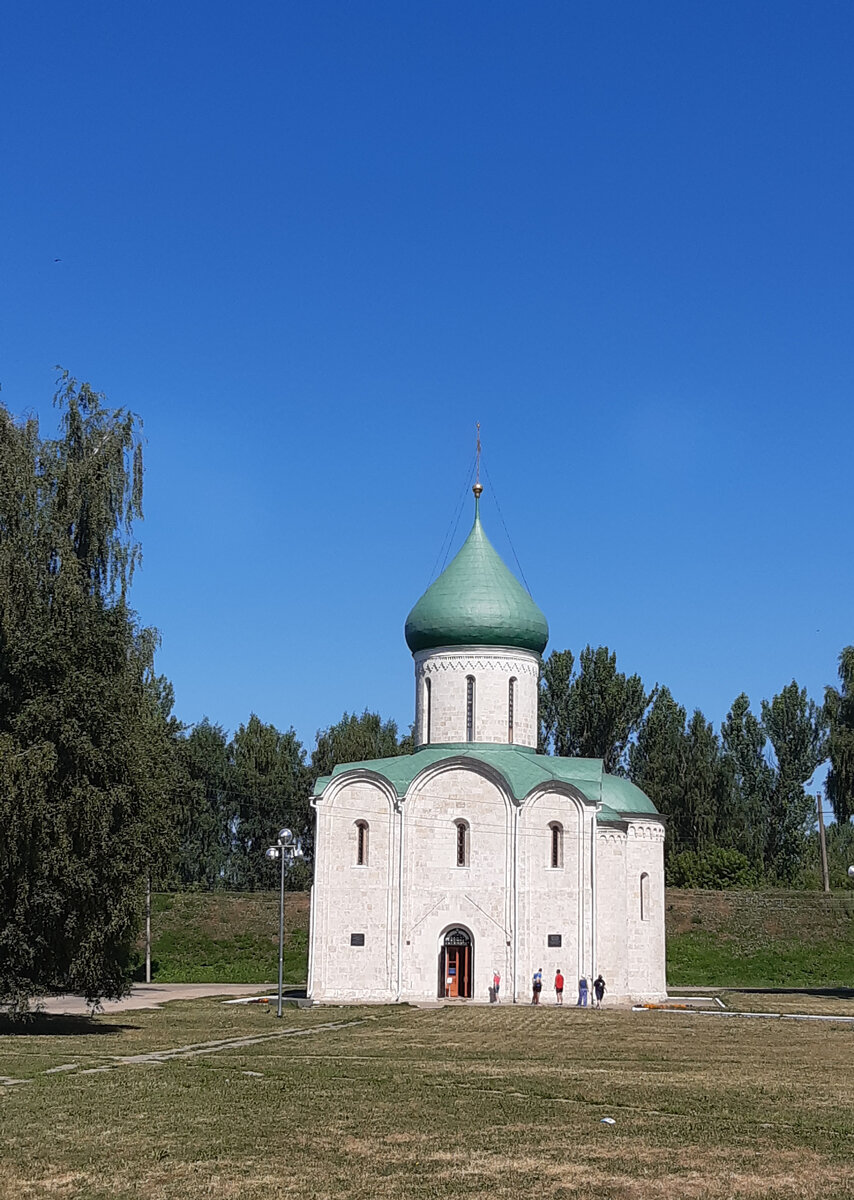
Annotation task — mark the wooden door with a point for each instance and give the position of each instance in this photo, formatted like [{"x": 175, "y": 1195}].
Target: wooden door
[
  {"x": 452, "y": 971},
  {"x": 465, "y": 983}
]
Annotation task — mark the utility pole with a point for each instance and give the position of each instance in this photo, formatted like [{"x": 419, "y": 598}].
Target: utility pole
[
  {"x": 285, "y": 850},
  {"x": 148, "y": 928},
  {"x": 824, "y": 872}
]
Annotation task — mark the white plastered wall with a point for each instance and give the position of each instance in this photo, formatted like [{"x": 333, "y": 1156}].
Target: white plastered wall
[
  {"x": 645, "y": 946},
  {"x": 438, "y": 894},
  {"x": 492, "y": 669},
  {"x": 348, "y": 898},
  {"x": 553, "y": 900},
  {"x": 612, "y": 961},
  {"x": 508, "y": 885}
]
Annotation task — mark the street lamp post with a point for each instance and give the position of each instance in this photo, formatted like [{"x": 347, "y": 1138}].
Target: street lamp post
[{"x": 285, "y": 850}]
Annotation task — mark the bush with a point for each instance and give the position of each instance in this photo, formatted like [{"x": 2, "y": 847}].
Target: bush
[{"x": 716, "y": 869}]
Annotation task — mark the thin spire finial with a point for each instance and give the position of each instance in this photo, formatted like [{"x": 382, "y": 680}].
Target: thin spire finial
[{"x": 478, "y": 486}]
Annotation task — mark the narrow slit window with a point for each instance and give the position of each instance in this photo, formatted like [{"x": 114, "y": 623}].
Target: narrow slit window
[
  {"x": 470, "y": 708},
  {"x": 556, "y": 846},
  {"x": 462, "y": 844},
  {"x": 511, "y": 705},
  {"x": 361, "y": 843},
  {"x": 428, "y": 711},
  {"x": 644, "y": 897}
]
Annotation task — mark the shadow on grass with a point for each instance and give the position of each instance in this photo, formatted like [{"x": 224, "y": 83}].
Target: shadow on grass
[{"x": 57, "y": 1025}]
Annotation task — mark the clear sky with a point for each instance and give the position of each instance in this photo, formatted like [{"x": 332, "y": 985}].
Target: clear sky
[{"x": 312, "y": 243}]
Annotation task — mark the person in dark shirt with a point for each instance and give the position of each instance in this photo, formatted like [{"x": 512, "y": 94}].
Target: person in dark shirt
[{"x": 598, "y": 990}]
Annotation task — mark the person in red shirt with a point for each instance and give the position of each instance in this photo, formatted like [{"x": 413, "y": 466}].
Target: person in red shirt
[{"x": 559, "y": 987}]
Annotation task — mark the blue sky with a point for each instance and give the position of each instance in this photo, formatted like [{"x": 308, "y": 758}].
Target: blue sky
[{"x": 312, "y": 244}]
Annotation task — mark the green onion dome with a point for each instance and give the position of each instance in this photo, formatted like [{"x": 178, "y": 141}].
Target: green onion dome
[{"x": 476, "y": 601}]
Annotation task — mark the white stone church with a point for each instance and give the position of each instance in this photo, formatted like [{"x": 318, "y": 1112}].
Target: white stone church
[{"x": 476, "y": 855}]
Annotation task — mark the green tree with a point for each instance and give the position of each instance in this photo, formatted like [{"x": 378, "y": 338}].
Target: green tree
[
  {"x": 202, "y": 816},
  {"x": 796, "y": 728},
  {"x": 658, "y": 765},
  {"x": 839, "y": 712},
  {"x": 357, "y": 739},
  {"x": 83, "y": 741},
  {"x": 744, "y": 825},
  {"x": 707, "y": 783},
  {"x": 554, "y": 703},
  {"x": 268, "y": 788},
  {"x": 594, "y": 712}
]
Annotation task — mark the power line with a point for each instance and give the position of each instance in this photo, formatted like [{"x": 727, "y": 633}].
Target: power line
[
  {"x": 506, "y": 530},
  {"x": 448, "y": 539}
]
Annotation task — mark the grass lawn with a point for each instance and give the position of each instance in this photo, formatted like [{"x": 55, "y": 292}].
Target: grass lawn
[{"x": 407, "y": 1103}]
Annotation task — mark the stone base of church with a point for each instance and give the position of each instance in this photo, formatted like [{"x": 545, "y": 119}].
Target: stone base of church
[{"x": 547, "y": 1001}]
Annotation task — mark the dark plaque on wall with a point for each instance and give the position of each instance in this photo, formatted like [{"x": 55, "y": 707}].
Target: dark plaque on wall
[
  {"x": 357, "y": 939},
  {"x": 554, "y": 939}
]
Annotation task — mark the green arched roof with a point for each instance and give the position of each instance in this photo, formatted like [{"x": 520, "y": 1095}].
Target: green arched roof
[
  {"x": 476, "y": 601},
  {"x": 522, "y": 770},
  {"x": 624, "y": 796}
]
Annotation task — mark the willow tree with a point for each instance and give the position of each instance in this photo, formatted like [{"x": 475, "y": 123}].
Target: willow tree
[{"x": 84, "y": 746}]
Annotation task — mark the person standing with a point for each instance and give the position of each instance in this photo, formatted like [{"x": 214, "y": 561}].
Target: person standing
[
  {"x": 599, "y": 990},
  {"x": 558, "y": 987},
  {"x": 496, "y": 986},
  {"x": 582, "y": 993},
  {"x": 538, "y": 986}
]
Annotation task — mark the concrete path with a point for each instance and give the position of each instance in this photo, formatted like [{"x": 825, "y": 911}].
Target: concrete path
[
  {"x": 152, "y": 995},
  {"x": 193, "y": 1050}
]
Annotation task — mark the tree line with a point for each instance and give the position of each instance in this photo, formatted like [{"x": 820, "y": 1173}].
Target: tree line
[
  {"x": 102, "y": 789},
  {"x": 234, "y": 795},
  {"x": 735, "y": 799}
]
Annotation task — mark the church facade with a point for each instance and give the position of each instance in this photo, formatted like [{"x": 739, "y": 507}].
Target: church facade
[{"x": 476, "y": 855}]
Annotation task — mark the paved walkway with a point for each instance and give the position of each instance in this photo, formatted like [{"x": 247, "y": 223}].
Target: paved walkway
[
  {"x": 152, "y": 995},
  {"x": 193, "y": 1050}
]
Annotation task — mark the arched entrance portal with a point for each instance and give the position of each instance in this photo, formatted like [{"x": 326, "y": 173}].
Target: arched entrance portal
[{"x": 456, "y": 965}]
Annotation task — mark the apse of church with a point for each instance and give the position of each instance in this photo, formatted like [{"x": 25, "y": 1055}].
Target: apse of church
[{"x": 475, "y": 854}]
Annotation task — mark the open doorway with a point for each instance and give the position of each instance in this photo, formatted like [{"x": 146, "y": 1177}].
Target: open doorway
[{"x": 456, "y": 965}]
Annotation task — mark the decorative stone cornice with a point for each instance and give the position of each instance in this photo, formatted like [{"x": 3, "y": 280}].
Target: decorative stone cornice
[
  {"x": 509, "y": 661},
  {"x": 652, "y": 831}
]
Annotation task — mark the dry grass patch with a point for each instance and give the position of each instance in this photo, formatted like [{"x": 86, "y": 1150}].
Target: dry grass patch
[{"x": 429, "y": 1104}]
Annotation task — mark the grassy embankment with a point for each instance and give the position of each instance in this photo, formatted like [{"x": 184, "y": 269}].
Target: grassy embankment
[
  {"x": 760, "y": 939},
  {"x": 496, "y": 1102},
  {"x": 227, "y": 937},
  {"x": 724, "y": 939}
]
